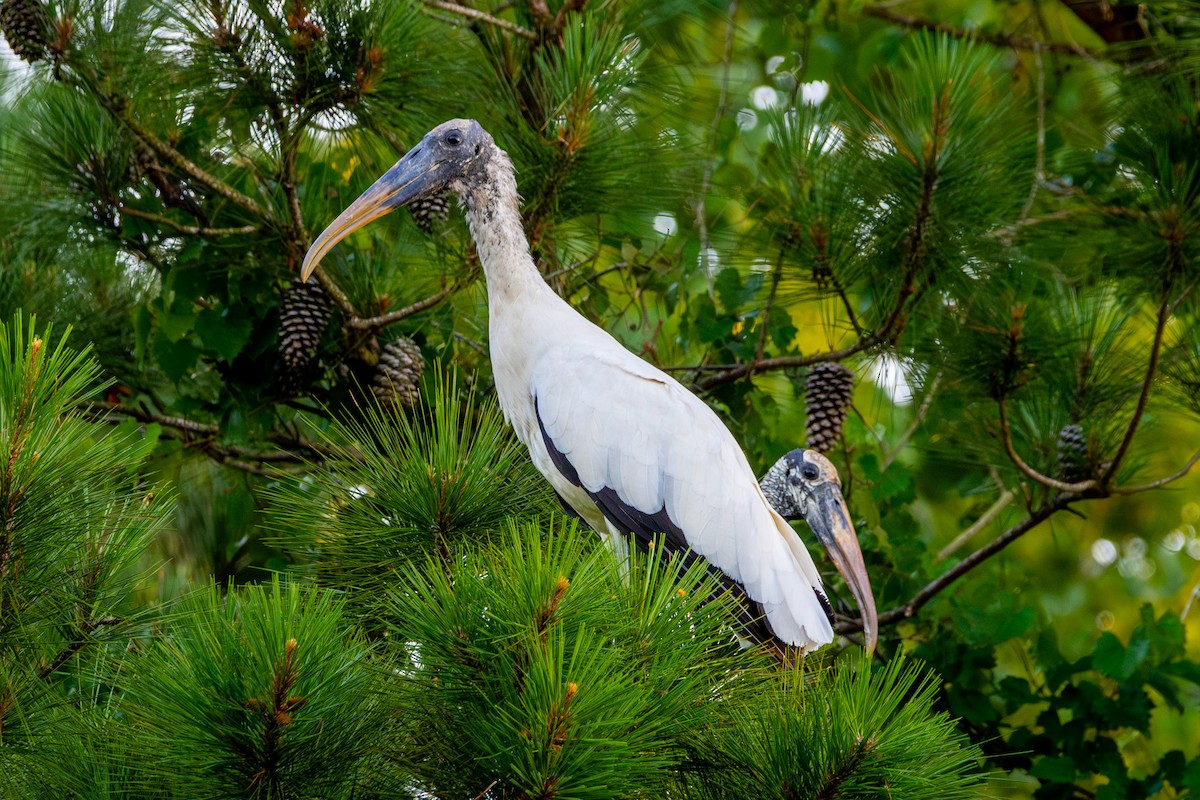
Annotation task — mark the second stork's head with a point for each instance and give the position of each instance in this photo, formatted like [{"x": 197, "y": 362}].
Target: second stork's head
[
  {"x": 805, "y": 485},
  {"x": 453, "y": 157}
]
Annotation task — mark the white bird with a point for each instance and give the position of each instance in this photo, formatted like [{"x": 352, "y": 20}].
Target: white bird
[{"x": 624, "y": 444}]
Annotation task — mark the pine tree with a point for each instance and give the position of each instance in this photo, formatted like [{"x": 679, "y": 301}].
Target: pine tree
[{"x": 998, "y": 204}]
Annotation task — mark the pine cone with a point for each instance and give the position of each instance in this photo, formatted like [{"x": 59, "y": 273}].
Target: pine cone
[
  {"x": 302, "y": 319},
  {"x": 827, "y": 398},
  {"x": 428, "y": 211},
  {"x": 25, "y": 25},
  {"x": 1072, "y": 454},
  {"x": 397, "y": 378}
]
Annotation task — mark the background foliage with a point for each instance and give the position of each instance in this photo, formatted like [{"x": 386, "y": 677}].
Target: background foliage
[{"x": 987, "y": 210}]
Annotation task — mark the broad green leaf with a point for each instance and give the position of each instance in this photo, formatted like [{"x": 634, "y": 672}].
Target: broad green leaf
[{"x": 225, "y": 331}]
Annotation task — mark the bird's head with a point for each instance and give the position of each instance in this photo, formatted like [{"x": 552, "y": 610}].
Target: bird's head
[
  {"x": 805, "y": 485},
  {"x": 452, "y": 157}
]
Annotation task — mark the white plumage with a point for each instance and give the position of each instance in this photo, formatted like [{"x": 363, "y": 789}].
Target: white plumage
[{"x": 623, "y": 443}]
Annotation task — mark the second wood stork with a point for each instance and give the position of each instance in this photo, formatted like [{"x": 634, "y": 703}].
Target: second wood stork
[{"x": 624, "y": 444}]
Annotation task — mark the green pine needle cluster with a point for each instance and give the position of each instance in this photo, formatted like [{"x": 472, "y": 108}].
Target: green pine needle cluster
[
  {"x": 74, "y": 524},
  {"x": 262, "y": 693},
  {"x": 849, "y": 731},
  {"x": 542, "y": 667},
  {"x": 396, "y": 488}
]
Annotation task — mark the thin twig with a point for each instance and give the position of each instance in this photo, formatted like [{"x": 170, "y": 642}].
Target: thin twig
[
  {"x": 1045, "y": 480},
  {"x": 103, "y": 411},
  {"x": 1190, "y": 602},
  {"x": 400, "y": 313},
  {"x": 482, "y": 16},
  {"x": 180, "y": 162},
  {"x": 482, "y": 794},
  {"x": 1039, "y": 168},
  {"x": 190, "y": 230},
  {"x": 913, "y": 426},
  {"x": 96, "y": 411},
  {"x": 943, "y": 581},
  {"x": 1174, "y": 476},
  {"x": 985, "y": 519},
  {"x": 1160, "y": 326},
  {"x": 710, "y": 161},
  {"x": 1000, "y": 39},
  {"x": 731, "y": 372},
  {"x": 765, "y": 320},
  {"x": 75, "y": 646}
]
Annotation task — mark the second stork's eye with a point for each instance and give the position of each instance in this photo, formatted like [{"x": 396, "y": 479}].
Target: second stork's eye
[
  {"x": 453, "y": 138},
  {"x": 810, "y": 472}
]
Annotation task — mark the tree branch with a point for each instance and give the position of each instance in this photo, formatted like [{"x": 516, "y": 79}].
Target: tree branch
[
  {"x": 75, "y": 646},
  {"x": 731, "y": 372},
  {"x": 1160, "y": 326},
  {"x": 400, "y": 313},
  {"x": 190, "y": 230},
  {"x": 985, "y": 519},
  {"x": 233, "y": 454},
  {"x": 884, "y": 12},
  {"x": 482, "y": 16},
  {"x": 177, "y": 160},
  {"x": 333, "y": 290},
  {"x": 1045, "y": 480},
  {"x": 1174, "y": 476},
  {"x": 943, "y": 581}
]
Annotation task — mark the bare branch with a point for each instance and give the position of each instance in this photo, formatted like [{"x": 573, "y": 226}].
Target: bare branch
[
  {"x": 400, "y": 313},
  {"x": 1045, "y": 480},
  {"x": 190, "y": 230},
  {"x": 882, "y": 11},
  {"x": 985, "y": 519},
  {"x": 1160, "y": 326},
  {"x": 1174, "y": 476},
  {"x": 180, "y": 162},
  {"x": 710, "y": 161},
  {"x": 482, "y": 16},
  {"x": 943, "y": 581},
  {"x": 98, "y": 411},
  {"x": 224, "y": 453}
]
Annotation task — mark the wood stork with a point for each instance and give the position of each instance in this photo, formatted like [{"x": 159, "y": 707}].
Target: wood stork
[{"x": 624, "y": 444}]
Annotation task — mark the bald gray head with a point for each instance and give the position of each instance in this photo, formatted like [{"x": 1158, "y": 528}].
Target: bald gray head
[
  {"x": 792, "y": 484},
  {"x": 805, "y": 485},
  {"x": 458, "y": 156}
]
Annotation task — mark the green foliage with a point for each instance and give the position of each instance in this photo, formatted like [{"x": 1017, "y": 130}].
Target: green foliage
[
  {"x": 1084, "y": 712},
  {"x": 397, "y": 488},
  {"x": 1010, "y": 228},
  {"x": 263, "y": 694},
  {"x": 848, "y": 732},
  {"x": 556, "y": 674},
  {"x": 75, "y": 520}
]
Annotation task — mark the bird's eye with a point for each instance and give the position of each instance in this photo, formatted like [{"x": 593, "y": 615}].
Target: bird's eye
[
  {"x": 453, "y": 138},
  {"x": 810, "y": 472}
]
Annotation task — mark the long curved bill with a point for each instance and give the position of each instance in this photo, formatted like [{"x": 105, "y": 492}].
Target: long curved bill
[
  {"x": 410, "y": 178},
  {"x": 830, "y": 521}
]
